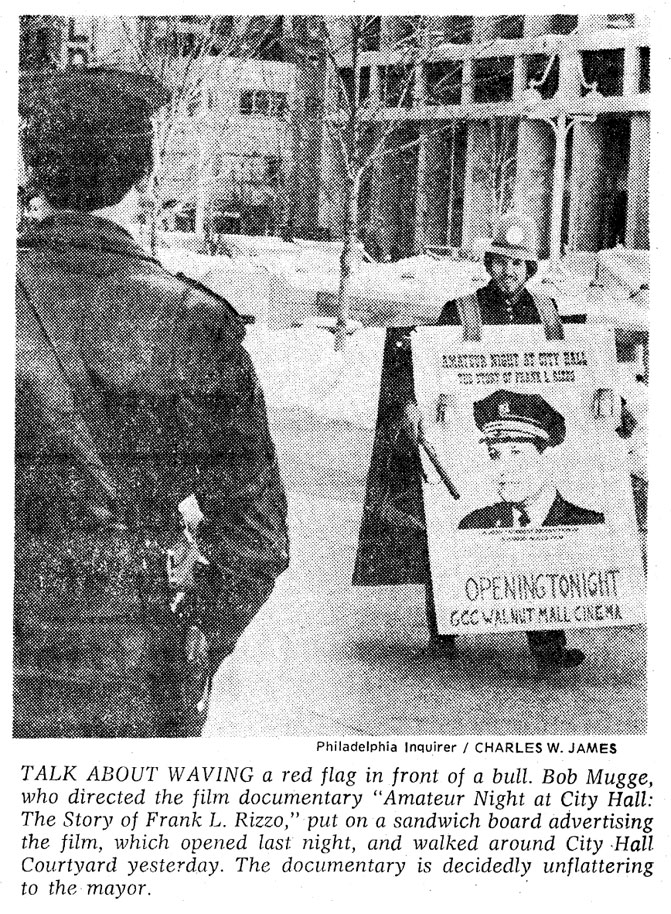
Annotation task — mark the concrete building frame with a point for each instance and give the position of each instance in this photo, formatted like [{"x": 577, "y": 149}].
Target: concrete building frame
[
  {"x": 576, "y": 159},
  {"x": 561, "y": 137}
]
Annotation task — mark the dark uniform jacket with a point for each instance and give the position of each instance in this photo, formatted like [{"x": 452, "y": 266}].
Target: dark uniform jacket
[
  {"x": 561, "y": 513},
  {"x": 392, "y": 541},
  {"x": 495, "y": 309},
  {"x": 133, "y": 392}
]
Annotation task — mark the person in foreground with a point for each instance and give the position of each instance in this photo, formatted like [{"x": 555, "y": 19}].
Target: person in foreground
[{"x": 150, "y": 513}]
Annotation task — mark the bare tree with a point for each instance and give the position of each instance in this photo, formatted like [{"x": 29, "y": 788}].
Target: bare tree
[
  {"x": 497, "y": 164},
  {"x": 180, "y": 55},
  {"x": 353, "y": 112},
  {"x": 365, "y": 122}
]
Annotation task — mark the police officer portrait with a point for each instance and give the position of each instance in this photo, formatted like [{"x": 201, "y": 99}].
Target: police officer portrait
[
  {"x": 331, "y": 375},
  {"x": 518, "y": 431}
]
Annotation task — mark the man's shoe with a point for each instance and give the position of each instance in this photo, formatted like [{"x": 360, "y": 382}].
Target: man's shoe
[
  {"x": 568, "y": 658},
  {"x": 443, "y": 646},
  {"x": 572, "y": 657}
]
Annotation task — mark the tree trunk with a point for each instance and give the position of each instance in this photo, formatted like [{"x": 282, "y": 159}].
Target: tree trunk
[
  {"x": 201, "y": 191},
  {"x": 154, "y": 182},
  {"x": 154, "y": 214},
  {"x": 347, "y": 262}
]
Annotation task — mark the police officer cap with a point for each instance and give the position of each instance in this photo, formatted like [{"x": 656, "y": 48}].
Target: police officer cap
[
  {"x": 87, "y": 134},
  {"x": 97, "y": 91},
  {"x": 510, "y": 416},
  {"x": 516, "y": 236}
]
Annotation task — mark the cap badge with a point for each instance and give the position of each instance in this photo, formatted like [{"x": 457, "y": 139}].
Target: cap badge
[
  {"x": 515, "y": 235},
  {"x": 504, "y": 409}
]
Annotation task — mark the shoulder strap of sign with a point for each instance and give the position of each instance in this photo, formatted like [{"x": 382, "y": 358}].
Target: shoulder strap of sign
[
  {"x": 547, "y": 310},
  {"x": 471, "y": 317}
]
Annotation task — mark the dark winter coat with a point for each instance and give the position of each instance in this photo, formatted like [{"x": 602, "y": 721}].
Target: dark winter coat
[{"x": 133, "y": 391}]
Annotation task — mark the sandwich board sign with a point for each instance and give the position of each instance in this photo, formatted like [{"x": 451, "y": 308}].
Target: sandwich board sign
[{"x": 528, "y": 499}]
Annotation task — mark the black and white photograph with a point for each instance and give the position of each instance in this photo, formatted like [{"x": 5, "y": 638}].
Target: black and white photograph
[
  {"x": 331, "y": 375},
  {"x": 517, "y": 430}
]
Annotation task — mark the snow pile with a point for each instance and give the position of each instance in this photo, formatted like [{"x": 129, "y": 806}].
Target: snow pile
[
  {"x": 243, "y": 282},
  {"x": 610, "y": 287},
  {"x": 299, "y": 369},
  {"x": 411, "y": 291},
  {"x": 286, "y": 284},
  {"x": 183, "y": 260},
  {"x": 626, "y": 268}
]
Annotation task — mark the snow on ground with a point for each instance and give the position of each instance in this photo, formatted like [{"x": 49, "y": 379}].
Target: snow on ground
[
  {"x": 299, "y": 368},
  {"x": 284, "y": 284}
]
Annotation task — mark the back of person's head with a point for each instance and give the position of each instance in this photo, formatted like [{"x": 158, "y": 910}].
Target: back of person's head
[{"x": 85, "y": 140}]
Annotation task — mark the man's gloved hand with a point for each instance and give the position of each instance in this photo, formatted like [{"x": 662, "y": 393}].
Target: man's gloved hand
[{"x": 412, "y": 423}]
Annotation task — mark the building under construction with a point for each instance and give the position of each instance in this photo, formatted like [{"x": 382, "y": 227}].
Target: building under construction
[{"x": 548, "y": 113}]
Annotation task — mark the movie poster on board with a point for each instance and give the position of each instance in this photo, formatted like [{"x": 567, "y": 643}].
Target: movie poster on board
[{"x": 527, "y": 494}]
